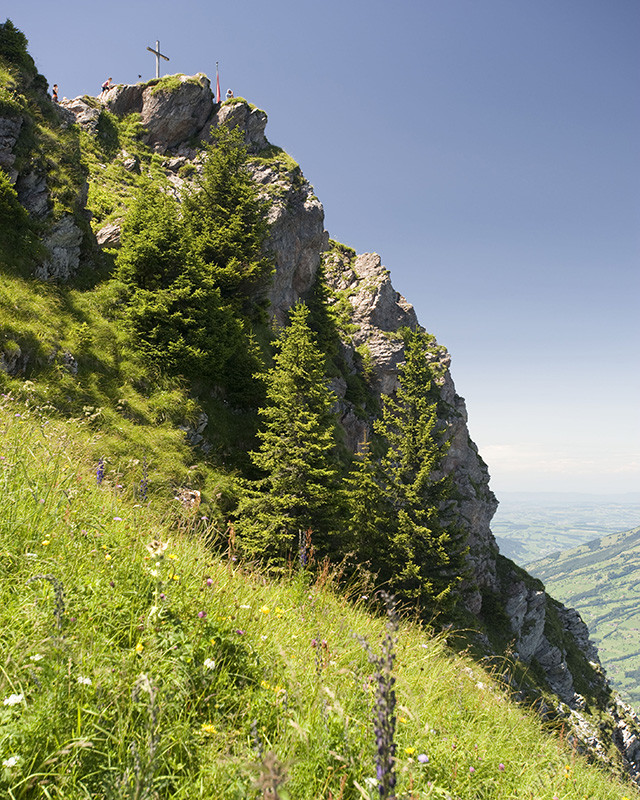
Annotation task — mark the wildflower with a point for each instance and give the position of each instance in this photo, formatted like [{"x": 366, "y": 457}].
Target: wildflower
[
  {"x": 207, "y": 728},
  {"x": 501, "y": 767},
  {"x": 117, "y": 519},
  {"x": 209, "y": 581},
  {"x": 209, "y": 663},
  {"x": 265, "y": 609},
  {"x": 45, "y": 542},
  {"x": 423, "y": 758},
  {"x": 139, "y": 647},
  {"x": 175, "y": 577},
  {"x": 409, "y": 750},
  {"x": 11, "y": 762},
  {"x": 157, "y": 548},
  {"x": 100, "y": 471},
  {"x": 472, "y": 770},
  {"x": 84, "y": 681},
  {"x": 107, "y": 557},
  {"x": 202, "y": 614},
  {"x": 240, "y": 632},
  {"x": 245, "y": 606},
  {"x": 172, "y": 556},
  {"x": 36, "y": 657},
  {"x": 13, "y": 699}
]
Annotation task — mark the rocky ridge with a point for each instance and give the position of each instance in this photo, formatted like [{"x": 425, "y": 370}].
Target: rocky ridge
[{"x": 176, "y": 115}]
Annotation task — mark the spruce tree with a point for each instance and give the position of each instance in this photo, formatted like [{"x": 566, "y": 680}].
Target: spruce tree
[
  {"x": 296, "y": 453},
  {"x": 175, "y": 309},
  {"x": 407, "y": 531},
  {"x": 227, "y": 221}
]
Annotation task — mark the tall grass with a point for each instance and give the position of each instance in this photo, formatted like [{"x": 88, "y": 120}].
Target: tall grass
[{"x": 136, "y": 663}]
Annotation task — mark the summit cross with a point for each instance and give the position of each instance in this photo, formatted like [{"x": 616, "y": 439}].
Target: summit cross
[{"x": 158, "y": 56}]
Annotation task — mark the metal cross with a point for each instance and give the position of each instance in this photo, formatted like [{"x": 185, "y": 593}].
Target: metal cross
[{"x": 158, "y": 56}]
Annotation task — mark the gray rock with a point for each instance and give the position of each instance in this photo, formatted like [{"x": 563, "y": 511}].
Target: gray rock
[
  {"x": 124, "y": 99},
  {"x": 240, "y": 115},
  {"x": 171, "y": 117},
  {"x": 84, "y": 115},
  {"x": 109, "y": 234},
  {"x": 9, "y": 131},
  {"x": 64, "y": 242},
  {"x": 33, "y": 193}
]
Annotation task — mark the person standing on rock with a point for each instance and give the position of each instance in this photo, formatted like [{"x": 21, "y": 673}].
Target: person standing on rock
[
  {"x": 108, "y": 84},
  {"x": 54, "y": 94},
  {"x": 229, "y": 94}
]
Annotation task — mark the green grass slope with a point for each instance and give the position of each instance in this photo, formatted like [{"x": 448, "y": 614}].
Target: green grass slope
[
  {"x": 137, "y": 663},
  {"x": 601, "y": 579}
]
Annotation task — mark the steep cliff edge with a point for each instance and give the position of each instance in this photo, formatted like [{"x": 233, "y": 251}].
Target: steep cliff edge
[{"x": 177, "y": 114}]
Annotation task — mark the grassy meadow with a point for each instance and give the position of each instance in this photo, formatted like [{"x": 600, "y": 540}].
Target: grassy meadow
[{"x": 141, "y": 659}]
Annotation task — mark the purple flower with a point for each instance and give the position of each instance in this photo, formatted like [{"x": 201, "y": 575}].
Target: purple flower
[
  {"x": 163, "y": 596},
  {"x": 423, "y": 758},
  {"x": 117, "y": 519},
  {"x": 202, "y": 614},
  {"x": 209, "y": 581},
  {"x": 501, "y": 767},
  {"x": 240, "y": 632},
  {"x": 472, "y": 770},
  {"x": 100, "y": 471}
]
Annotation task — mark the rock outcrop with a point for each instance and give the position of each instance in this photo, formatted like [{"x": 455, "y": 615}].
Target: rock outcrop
[{"x": 172, "y": 110}]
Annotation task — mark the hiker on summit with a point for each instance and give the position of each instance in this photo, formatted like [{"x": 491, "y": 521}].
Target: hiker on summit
[
  {"x": 108, "y": 84},
  {"x": 229, "y": 94},
  {"x": 54, "y": 93}
]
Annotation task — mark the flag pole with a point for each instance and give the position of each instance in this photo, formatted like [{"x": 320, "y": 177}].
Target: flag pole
[{"x": 217, "y": 84}]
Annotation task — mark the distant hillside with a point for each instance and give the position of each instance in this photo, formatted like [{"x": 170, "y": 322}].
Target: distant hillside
[
  {"x": 601, "y": 579},
  {"x": 529, "y": 526}
]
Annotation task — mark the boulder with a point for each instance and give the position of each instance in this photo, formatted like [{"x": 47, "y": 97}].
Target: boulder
[
  {"x": 173, "y": 114},
  {"x": 109, "y": 234},
  {"x": 82, "y": 113},
  {"x": 239, "y": 114}
]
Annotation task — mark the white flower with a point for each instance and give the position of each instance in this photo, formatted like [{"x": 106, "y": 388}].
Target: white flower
[
  {"x": 84, "y": 681},
  {"x": 13, "y": 699},
  {"x": 245, "y": 606},
  {"x": 36, "y": 657},
  {"x": 11, "y": 762},
  {"x": 209, "y": 663}
]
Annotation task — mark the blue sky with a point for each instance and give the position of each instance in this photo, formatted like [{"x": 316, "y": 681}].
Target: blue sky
[{"x": 489, "y": 150}]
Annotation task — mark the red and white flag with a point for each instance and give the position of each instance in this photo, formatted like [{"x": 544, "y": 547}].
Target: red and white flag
[{"x": 217, "y": 84}]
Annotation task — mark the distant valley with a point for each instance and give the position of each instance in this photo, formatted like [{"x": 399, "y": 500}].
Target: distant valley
[
  {"x": 529, "y": 526},
  {"x": 601, "y": 579}
]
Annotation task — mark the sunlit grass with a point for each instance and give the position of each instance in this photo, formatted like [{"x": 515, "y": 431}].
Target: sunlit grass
[{"x": 147, "y": 666}]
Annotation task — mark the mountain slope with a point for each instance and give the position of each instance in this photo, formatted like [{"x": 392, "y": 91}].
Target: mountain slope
[{"x": 70, "y": 352}]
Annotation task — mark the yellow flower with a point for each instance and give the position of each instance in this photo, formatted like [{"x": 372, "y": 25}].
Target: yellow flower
[
  {"x": 107, "y": 556},
  {"x": 172, "y": 556},
  {"x": 139, "y": 647},
  {"x": 207, "y": 728},
  {"x": 265, "y": 609},
  {"x": 403, "y": 720},
  {"x": 409, "y": 750},
  {"x": 175, "y": 577},
  {"x": 46, "y": 542}
]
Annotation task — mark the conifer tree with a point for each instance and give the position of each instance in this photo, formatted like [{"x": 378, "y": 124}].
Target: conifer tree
[
  {"x": 175, "y": 309},
  {"x": 419, "y": 550},
  {"x": 227, "y": 220},
  {"x": 296, "y": 453}
]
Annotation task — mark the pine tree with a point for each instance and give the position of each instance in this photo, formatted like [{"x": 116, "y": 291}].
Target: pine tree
[{"x": 296, "y": 453}]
